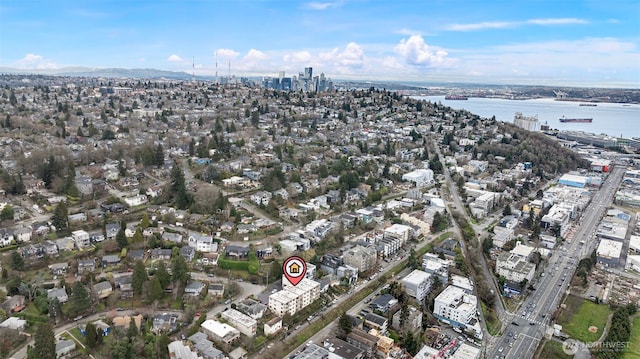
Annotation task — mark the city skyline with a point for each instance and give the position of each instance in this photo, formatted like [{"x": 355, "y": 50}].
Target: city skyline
[{"x": 573, "y": 43}]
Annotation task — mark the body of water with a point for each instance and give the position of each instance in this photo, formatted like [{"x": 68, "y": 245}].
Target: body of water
[{"x": 612, "y": 119}]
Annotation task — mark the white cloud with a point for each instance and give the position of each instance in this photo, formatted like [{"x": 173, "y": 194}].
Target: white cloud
[
  {"x": 416, "y": 52},
  {"x": 510, "y": 24},
  {"x": 352, "y": 56},
  {"x": 227, "y": 53},
  {"x": 174, "y": 58},
  {"x": 298, "y": 57},
  {"x": 558, "y": 21},
  {"x": 322, "y": 5},
  {"x": 480, "y": 26},
  {"x": 407, "y": 32},
  {"x": 255, "y": 55},
  {"x": 34, "y": 61}
]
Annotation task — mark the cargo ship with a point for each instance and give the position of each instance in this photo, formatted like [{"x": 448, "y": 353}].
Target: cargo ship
[
  {"x": 455, "y": 97},
  {"x": 589, "y": 104},
  {"x": 576, "y": 120}
]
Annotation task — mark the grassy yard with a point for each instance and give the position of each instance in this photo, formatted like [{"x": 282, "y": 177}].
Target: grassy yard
[
  {"x": 492, "y": 322},
  {"x": 553, "y": 349},
  {"x": 633, "y": 351},
  {"x": 579, "y": 315}
]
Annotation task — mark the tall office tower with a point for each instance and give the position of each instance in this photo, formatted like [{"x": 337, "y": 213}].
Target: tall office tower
[
  {"x": 281, "y": 75},
  {"x": 308, "y": 72}
]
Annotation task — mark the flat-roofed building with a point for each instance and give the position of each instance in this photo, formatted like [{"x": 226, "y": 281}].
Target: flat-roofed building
[
  {"x": 417, "y": 284},
  {"x": 244, "y": 323},
  {"x": 220, "y": 331}
]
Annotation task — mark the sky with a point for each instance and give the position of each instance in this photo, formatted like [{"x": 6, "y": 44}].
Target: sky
[{"x": 540, "y": 42}]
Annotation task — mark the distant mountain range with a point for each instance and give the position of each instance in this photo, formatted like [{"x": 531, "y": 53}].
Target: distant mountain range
[{"x": 106, "y": 72}]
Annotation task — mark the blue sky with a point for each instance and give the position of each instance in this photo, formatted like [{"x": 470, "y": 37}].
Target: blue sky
[{"x": 575, "y": 43}]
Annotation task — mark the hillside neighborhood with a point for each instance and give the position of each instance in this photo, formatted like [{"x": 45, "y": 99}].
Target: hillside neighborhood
[{"x": 151, "y": 218}]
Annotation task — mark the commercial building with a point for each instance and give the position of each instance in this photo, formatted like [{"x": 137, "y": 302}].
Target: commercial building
[
  {"x": 436, "y": 266},
  {"x": 608, "y": 252},
  {"x": 514, "y": 267},
  {"x": 420, "y": 177},
  {"x": 458, "y": 308},
  {"x": 529, "y": 123},
  {"x": 417, "y": 284}
]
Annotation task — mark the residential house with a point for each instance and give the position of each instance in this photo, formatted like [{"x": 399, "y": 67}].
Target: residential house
[
  {"x": 220, "y": 331},
  {"x": 111, "y": 230},
  {"x": 273, "y": 326},
  {"x": 164, "y": 323},
  {"x": 236, "y": 252},
  {"x": 6, "y": 237},
  {"x": 22, "y": 234},
  {"x": 188, "y": 253},
  {"x": 136, "y": 255},
  {"x": 65, "y": 244},
  {"x": 124, "y": 321},
  {"x": 384, "y": 303},
  {"x": 375, "y": 321},
  {"x": 13, "y": 304},
  {"x": 102, "y": 289},
  {"x": 14, "y": 323},
  {"x": 202, "y": 243},
  {"x": 172, "y": 237},
  {"x": 194, "y": 288},
  {"x": 50, "y": 248},
  {"x": 86, "y": 265},
  {"x": 77, "y": 217},
  {"x": 64, "y": 347},
  {"x": 216, "y": 290},
  {"x": 161, "y": 254},
  {"x": 59, "y": 293},
  {"x": 81, "y": 238},
  {"x": 96, "y": 236},
  {"x": 205, "y": 348},
  {"x": 252, "y": 308},
  {"x": 59, "y": 268},
  {"x": 110, "y": 260}
]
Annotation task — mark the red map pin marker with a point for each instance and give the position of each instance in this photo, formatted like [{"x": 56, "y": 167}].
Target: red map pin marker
[{"x": 294, "y": 269}]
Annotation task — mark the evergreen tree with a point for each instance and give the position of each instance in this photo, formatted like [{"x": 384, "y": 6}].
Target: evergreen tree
[
  {"x": 163, "y": 276},
  {"x": 178, "y": 189},
  {"x": 44, "y": 343},
  {"x": 132, "y": 332},
  {"x": 121, "y": 239},
  {"x": 158, "y": 156},
  {"x": 59, "y": 219},
  {"x": 179, "y": 270},
  {"x": 345, "y": 325},
  {"x": 17, "y": 262},
  {"x": 91, "y": 336},
  {"x": 156, "y": 292},
  {"x": 139, "y": 277},
  {"x": 80, "y": 300}
]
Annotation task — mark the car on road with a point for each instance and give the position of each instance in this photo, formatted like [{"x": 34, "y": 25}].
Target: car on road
[{"x": 500, "y": 350}]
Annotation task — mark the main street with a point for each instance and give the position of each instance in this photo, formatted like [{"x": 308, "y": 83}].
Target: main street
[{"x": 524, "y": 332}]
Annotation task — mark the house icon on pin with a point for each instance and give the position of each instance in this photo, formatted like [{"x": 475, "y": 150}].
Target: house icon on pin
[{"x": 294, "y": 268}]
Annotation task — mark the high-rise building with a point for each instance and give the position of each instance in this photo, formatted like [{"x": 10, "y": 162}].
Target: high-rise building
[{"x": 308, "y": 73}]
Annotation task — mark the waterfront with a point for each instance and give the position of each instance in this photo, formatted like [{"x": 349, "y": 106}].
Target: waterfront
[{"x": 612, "y": 119}]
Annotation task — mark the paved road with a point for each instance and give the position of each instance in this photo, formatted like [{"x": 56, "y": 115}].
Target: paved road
[{"x": 531, "y": 323}]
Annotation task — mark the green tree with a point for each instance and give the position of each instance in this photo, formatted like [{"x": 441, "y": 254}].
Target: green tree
[
  {"x": 507, "y": 210},
  {"x": 6, "y": 213},
  {"x": 44, "y": 346},
  {"x": 144, "y": 223},
  {"x": 132, "y": 331},
  {"x": 158, "y": 156},
  {"x": 139, "y": 277},
  {"x": 156, "y": 292},
  {"x": 413, "y": 261},
  {"x": 91, "y": 336},
  {"x": 163, "y": 276},
  {"x": 17, "y": 262},
  {"x": 121, "y": 239},
  {"x": 59, "y": 219},
  {"x": 345, "y": 325},
  {"x": 80, "y": 300},
  {"x": 179, "y": 270}
]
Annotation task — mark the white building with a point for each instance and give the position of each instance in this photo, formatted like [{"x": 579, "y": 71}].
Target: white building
[
  {"x": 455, "y": 306},
  {"x": 136, "y": 200},
  {"x": 244, "y": 323},
  {"x": 81, "y": 238},
  {"x": 515, "y": 267},
  {"x": 292, "y": 299},
  {"x": 203, "y": 243},
  {"x": 436, "y": 266},
  {"x": 529, "y": 123},
  {"x": 420, "y": 177},
  {"x": 177, "y": 350},
  {"x": 220, "y": 331},
  {"x": 417, "y": 284},
  {"x": 398, "y": 231}
]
